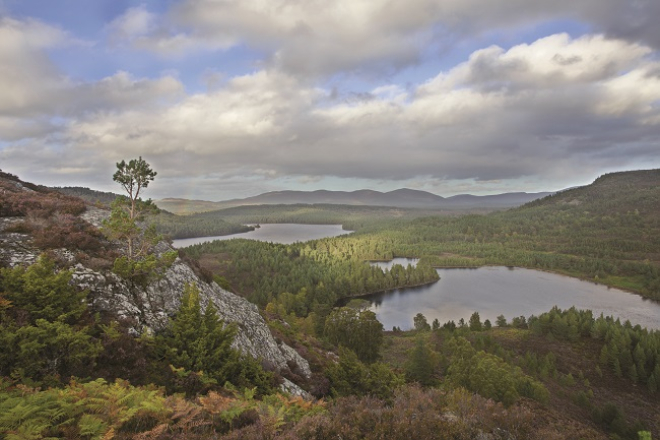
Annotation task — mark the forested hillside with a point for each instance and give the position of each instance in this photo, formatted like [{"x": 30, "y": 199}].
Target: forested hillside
[
  {"x": 88, "y": 195},
  {"x": 351, "y": 217},
  {"x": 400, "y": 198},
  {"x": 300, "y": 278},
  {"x": 608, "y": 231}
]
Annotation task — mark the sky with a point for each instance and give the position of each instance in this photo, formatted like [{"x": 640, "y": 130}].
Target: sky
[{"x": 232, "y": 98}]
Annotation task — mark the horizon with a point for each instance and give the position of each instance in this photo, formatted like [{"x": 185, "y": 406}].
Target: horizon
[
  {"x": 166, "y": 197},
  {"x": 234, "y": 99},
  {"x": 359, "y": 190},
  {"x": 368, "y": 189}
]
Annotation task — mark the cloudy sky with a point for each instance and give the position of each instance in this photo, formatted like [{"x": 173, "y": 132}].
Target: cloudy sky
[{"x": 232, "y": 98}]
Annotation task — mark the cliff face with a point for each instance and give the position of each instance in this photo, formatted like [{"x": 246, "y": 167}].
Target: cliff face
[{"x": 151, "y": 307}]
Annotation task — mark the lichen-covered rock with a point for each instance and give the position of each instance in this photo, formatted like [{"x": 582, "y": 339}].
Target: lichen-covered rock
[
  {"x": 152, "y": 306},
  {"x": 95, "y": 216},
  {"x": 15, "y": 248},
  {"x": 294, "y": 390}
]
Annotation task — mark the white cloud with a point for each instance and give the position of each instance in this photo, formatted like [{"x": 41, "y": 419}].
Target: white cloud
[
  {"x": 550, "y": 62},
  {"x": 452, "y": 126},
  {"x": 309, "y": 38},
  {"x": 123, "y": 91},
  {"x": 133, "y": 23},
  {"x": 234, "y": 123},
  {"x": 635, "y": 93},
  {"x": 317, "y": 37},
  {"x": 30, "y": 83},
  {"x": 34, "y": 91}
]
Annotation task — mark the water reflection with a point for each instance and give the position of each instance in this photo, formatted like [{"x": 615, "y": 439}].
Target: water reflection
[
  {"x": 494, "y": 291},
  {"x": 388, "y": 264}
]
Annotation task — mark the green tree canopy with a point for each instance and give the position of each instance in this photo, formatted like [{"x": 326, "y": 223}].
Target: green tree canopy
[
  {"x": 134, "y": 176},
  {"x": 357, "y": 330},
  {"x": 349, "y": 376},
  {"x": 421, "y": 323},
  {"x": 421, "y": 364},
  {"x": 42, "y": 334},
  {"x": 475, "y": 322},
  {"x": 43, "y": 292},
  {"x": 200, "y": 342}
]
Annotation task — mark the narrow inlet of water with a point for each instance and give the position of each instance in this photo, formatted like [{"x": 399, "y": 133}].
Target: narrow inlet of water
[{"x": 285, "y": 233}]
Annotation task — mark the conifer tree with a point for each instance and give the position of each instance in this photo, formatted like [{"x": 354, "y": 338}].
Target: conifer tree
[
  {"x": 421, "y": 364},
  {"x": 41, "y": 337},
  {"x": 359, "y": 331},
  {"x": 420, "y": 322},
  {"x": 133, "y": 177},
  {"x": 632, "y": 373},
  {"x": 43, "y": 292},
  {"x": 475, "y": 322},
  {"x": 199, "y": 344},
  {"x": 652, "y": 384},
  {"x": 199, "y": 341}
]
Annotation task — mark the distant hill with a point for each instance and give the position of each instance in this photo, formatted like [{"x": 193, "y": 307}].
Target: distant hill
[
  {"x": 400, "y": 198},
  {"x": 621, "y": 192}
]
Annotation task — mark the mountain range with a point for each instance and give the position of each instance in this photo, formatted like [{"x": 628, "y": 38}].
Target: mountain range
[{"x": 400, "y": 198}]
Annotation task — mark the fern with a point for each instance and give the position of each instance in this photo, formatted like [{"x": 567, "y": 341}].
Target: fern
[
  {"x": 95, "y": 409},
  {"x": 28, "y": 431},
  {"x": 93, "y": 426}
]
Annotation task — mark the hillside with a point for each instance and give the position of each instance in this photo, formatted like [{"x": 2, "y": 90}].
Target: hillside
[
  {"x": 88, "y": 195},
  {"x": 618, "y": 193},
  {"x": 352, "y": 217},
  {"x": 401, "y": 198},
  {"x": 170, "y": 225},
  {"x": 47, "y": 231}
]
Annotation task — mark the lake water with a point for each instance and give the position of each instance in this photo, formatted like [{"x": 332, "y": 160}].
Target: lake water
[
  {"x": 388, "y": 264},
  {"x": 494, "y": 291},
  {"x": 285, "y": 233}
]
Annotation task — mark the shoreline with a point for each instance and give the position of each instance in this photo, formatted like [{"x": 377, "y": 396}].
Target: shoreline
[
  {"x": 556, "y": 272},
  {"x": 361, "y": 295}
]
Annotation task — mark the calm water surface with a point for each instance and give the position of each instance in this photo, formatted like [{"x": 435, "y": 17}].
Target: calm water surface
[
  {"x": 494, "y": 291},
  {"x": 388, "y": 264},
  {"x": 285, "y": 233}
]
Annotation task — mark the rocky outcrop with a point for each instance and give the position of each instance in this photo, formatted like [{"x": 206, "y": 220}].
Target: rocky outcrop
[
  {"x": 152, "y": 306},
  {"x": 15, "y": 248}
]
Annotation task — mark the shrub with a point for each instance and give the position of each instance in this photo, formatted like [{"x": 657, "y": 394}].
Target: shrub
[
  {"x": 43, "y": 292},
  {"x": 39, "y": 204},
  {"x": 350, "y": 376},
  {"x": 42, "y": 334},
  {"x": 68, "y": 231},
  {"x": 198, "y": 347}
]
